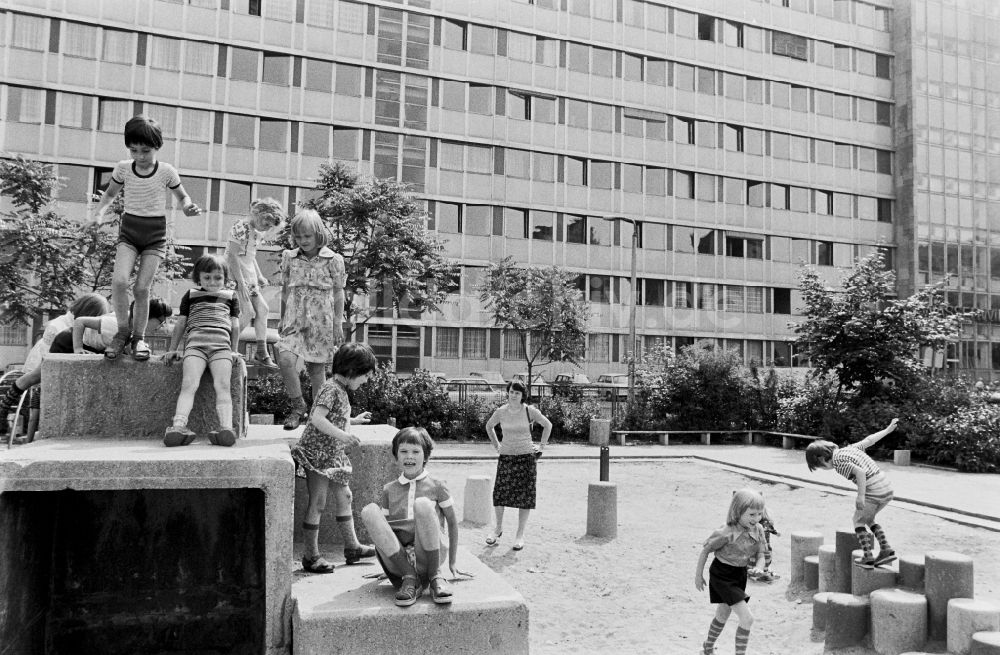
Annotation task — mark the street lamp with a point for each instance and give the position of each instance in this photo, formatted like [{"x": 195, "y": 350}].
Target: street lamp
[{"x": 631, "y": 314}]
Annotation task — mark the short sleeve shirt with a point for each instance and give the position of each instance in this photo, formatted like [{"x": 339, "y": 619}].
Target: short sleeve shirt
[
  {"x": 209, "y": 311},
  {"x": 735, "y": 546},
  {"x": 845, "y": 459},
  {"x": 244, "y": 238},
  {"x": 399, "y": 495},
  {"x": 146, "y": 195}
]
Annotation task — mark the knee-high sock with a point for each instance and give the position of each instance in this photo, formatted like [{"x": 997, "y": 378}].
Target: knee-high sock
[
  {"x": 883, "y": 543},
  {"x": 865, "y": 539},
  {"x": 742, "y": 637},
  {"x": 714, "y": 630}
]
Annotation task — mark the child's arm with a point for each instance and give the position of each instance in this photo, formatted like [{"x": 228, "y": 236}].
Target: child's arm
[
  {"x": 363, "y": 418},
  {"x": 234, "y": 331},
  {"x": 285, "y": 266},
  {"x": 79, "y": 325},
  {"x": 452, "y": 521},
  {"x": 233, "y": 260},
  {"x": 875, "y": 437},
  {"x": 109, "y": 194},
  {"x": 862, "y": 481},
  {"x": 190, "y": 209},
  {"x": 338, "y": 316},
  {"x": 261, "y": 280},
  {"x": 174, "y": 354},
  {"x": 699, "y": 570},
  {"x": 323, "y": 424}
]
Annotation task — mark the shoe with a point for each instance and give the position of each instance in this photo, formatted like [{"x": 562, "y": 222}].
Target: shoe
[
  {"x": 140, "y": 350},
  {"x": 707, "y": 650},
  {"x": 117, "y": 345},
  {"x": 866, "y": 562},
  {"x": 885, "y": 557},
  {"x": 408, "y": 592},
  {"x": 440, "y": 591},
  {"x": 293, "y": 420},
  {"x": 765, "y": 576},
  {"x": 317, "y": 564},
  {"x": 264, "y": 360},
  {"x": 178, "y": 436},
  {"x": 223, "y": 437},
  {"x": 493, "y": 539},
  {"x": 355, "y": 555},
  {"x": 518, "y": 545},
  {"x": 752, "y": 574}
]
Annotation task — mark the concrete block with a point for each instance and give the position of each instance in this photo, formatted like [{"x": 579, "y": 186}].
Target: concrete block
[
  {"x": 60, "y": 466},
  {"x": 901, "y": 457},
  {"x": 810, "y": 572},
  {"x": 827, "y": 567},
  {"x": 947, "y": 575},
  {"x": 846, "y": 620},
  {"x": 985, "y": 643},
  {"x": 600, "y": 431},
  {"x": 706, "y": 439},
  {"x": 803, "y": 543},
  {"x": 346, "y": 614},
  {"x": 478, "y": 503},
  {"x": 820, "y": 602},
  {"x": 899, "y": 621},
  {"x": 864, "y": 581},
  {"x": 911, "y": 572},
  {"x": 90, "y": 397},
  {"x": 602, "y": 510},
  {"x": 262, "y": 419},
  {"x": 373, "y": 466},
  {"x": 846, "y": 541},
  {"x": 967, "y": 617}
]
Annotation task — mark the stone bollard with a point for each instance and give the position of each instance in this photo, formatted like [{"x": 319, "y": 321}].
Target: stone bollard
[
  {"x": 864, "y": 581},
  {"x": 966, "y": 617},
  {"x": 985, "y": 643},
  {"x": 804, "y": 543},
  {"x": 820, "y": 605},
  {"x": 846, "y": 541},
  {"x": 810, "y": 572},
  {"x": 899, "y": 621},
  {"x": 846, "y": 620},
  {"x": 947, "y": 575},
  {"x": 911, "y": 572},
  {"x": 602, "y": 510},
  {"x": 901, "y": 457},
  {"x": 600, "y": 432},
  {"x": 827, "y": 567},
  {"x": 478, "y": 505}
]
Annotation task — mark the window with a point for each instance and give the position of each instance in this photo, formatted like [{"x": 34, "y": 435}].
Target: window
[
  {"x": 348, "y": 79},
  {"x": 166, "y": 116},
  {"x": 599, "y": 347},
  {"x": 823, "y": 201},
  {"x": 482, "y": 40},
  {"x": 632, "y": 179},
  {"x": 481, "y": 99},
  {"x": 315, "y": 140},
  {"x": 446, "y": 342},
  {"x": 244, "y": 64},
  {"x": 683, "y": 296},
  {"x": 800, "y": 98},
  {"x": 113, "y": 114},
  {"x": 602, "y": 175},
  {"x": 237, "y": 197},
  {"x": 782, "y": 303},
  {"x": 733, "y": 190},
  {"x": 543, "y": 110},
  {"x": 513, "y": 347},
  {"x": 779, "y": 196},
  {"x": 653, "y": 293},
  {"x": 734, "y": 298},
  {"x": 604, "y": 62},
  {"x": 656, "y": 181},
  {"x": 79, "y": 40},
  {"x": 199, "y": 58},
  {"x": 756, "y": 194},
  {"x": 279, "y": 9},
  {"x": 631, "y": 67},
  {"x": 118, "y": 47},
  {"x": 196, "y": 125},
  {"x": 705, "y": 187},
  {"x": 599, "y": 288},
  {"x": 29, "y": 32},
  {"x": 706, "y": 28},
  {"x": 542, "y": 225},
  {"x": 684, "y": 77},
  {"x": 474, "y": 343},
  {"x": 578, "y": 57},
  {"x": 478, "y": 220},
  {"x": 798, "y": 148},
  {"x": 165, "y": 53},
  {"x": 345, "y": 143},
  {"x": 515, "y": 223},
  {"x": 241, "y": 131},
  {"x": 320, "y": 13},
  {"x": 480, "y": 159},
  {"x": 546, "y": 51},
  {"x": 755, "y": 90},
  {"x": 446, "y": 217},
  {"x": 600, "y": 232},
  {"x": 517, "y": 163},
  {"x": 276, "y": 69},
  {"x": 74, "y": 110},
  {"x": 319, "y": 75},
  {"x": 576, "y": 171},
  {"x": 732, "y": 138},
  {"x": 706, "y": 241},
  {"x": 706, "y": 296},
  {"x": 790, "y": 45},
  {"x": 683, "y": 184},
  {"x": 273, "y": 135},
  {"x": 683, "y": 130},
  {"x": 453, "y": 34},
  {"x": 798, "y": 199},
  {"x": 883, "y": 67},
  {"x": 755, "y": 300},
  {"x": 824, "y": 253},
  {"x": 520, "y": 47},
  {"x": 576, "y": 228},
  {"x": 543, "y": 167},
  {"x": 518, "y": 106},
  {"x": 706, "y": 81},
  {"x": 732, "y": 34}
]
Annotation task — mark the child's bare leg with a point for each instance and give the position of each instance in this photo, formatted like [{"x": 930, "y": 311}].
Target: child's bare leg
[
  {"x": 742, "y": 611},
  {"x": 124, "y": 263},
  {"x": 222, "y": 372},
  {"x": 722, "y": 612},
  {"x": 287, "y": 361},
  {"x": 148, "y": 263},
  {"x": 178, "y": 434},
  {"x": 318, "y": 485},
  {"x": 260, "y": 311},
  {"x": 342, "y": 499},
  {"x": 428, "y": 550}
]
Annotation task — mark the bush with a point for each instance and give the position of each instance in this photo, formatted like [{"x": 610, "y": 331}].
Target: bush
[
  {"x": 379, "y": 395},
  {"x": 968, "y": 439},
  {"x": 266, "y": 395},
  {"x": 471, "y": 416},
  {"x": 421, "y": 401},
  {"x": 570, "y": 419}
]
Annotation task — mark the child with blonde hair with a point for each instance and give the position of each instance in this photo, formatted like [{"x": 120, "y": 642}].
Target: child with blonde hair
[
  {"x": 312, "y": 308},
  {"x": 241, "y": 255},
  {"x": 737, "y": 546}
]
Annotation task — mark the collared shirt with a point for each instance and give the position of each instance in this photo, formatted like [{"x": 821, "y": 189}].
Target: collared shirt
[
  {"x": 736, "y": 546},
  {"x": 399, "y": 495},
  {"x": 324, "y": 271}
]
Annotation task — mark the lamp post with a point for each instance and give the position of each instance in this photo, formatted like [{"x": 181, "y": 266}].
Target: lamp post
[{"x": 631, "y": 314}]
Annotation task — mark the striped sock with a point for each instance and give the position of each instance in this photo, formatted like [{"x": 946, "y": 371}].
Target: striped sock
[
  {"x": 883, "y": 543},
  {"x": 865, "y": 540},
  {"x": 714, "y": 630},
  {"x": 742, "y": 637}
]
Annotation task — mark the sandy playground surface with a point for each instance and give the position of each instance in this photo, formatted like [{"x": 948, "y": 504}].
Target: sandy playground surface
[{"x": 635, "y": 594}]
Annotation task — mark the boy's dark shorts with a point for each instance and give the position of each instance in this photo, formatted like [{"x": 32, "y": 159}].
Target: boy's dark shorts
[{"x": 145, "y": 235}]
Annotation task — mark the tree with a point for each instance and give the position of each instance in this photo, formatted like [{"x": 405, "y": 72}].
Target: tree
[
  {"x": 542, "y": 302},
  {"x": 864, "y": 337},
  {"x": 380, "y": 231}
]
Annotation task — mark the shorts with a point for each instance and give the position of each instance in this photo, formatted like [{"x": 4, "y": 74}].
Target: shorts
[
  {"x": 878, "y": 494},
  {"x": 145, "y": 235},
  {"x": 209, "y": 347},
  {"x": 727, "y": 583}
]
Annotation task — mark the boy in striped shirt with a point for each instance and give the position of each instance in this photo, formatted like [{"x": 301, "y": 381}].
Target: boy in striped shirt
[
  {"x": 874, "y": 491},
  {"x": 143, "y": 232}
]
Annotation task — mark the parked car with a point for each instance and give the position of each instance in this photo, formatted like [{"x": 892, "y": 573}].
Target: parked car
[
  {"x": 493, "y": 378},
  {"x": 461, "y": 388},
  {"x": 615, "y": 386},
  {"x": 539, "y": 387},
  {"x": 567, "y": 384}
]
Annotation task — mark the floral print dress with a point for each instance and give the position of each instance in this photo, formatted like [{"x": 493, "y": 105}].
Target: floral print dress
[
  {"x": 309, "y": 320},
  {"x": 319, "y": 452}
]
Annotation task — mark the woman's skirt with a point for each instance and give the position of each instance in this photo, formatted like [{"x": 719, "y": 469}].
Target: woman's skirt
[
  {"x": 727, "y": 583},
  {"x": 515, "y": 481}
]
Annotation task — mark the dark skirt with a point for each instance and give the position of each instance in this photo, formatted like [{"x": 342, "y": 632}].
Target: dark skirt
[
  {"x": 515, "y": 482},
  {"x": 726, "y": 583}
]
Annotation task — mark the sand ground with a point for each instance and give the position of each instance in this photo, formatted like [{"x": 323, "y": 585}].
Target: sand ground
[{"x": 635, "y": 594}]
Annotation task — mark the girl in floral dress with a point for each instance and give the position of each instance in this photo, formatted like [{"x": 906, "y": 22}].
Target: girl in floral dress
[{"x": 312, "y": 309}]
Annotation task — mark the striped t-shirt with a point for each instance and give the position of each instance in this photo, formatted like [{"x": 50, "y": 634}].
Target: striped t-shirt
[
  {"x": 146, "y": 195},
  {"x": 209, "y": 312},
  {"x": 845, "y": 459}
]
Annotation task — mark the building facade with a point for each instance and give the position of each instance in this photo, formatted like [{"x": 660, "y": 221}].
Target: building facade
[{"x": 739, "y": 138}]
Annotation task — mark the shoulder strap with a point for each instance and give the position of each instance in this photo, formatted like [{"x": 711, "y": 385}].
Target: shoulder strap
[{"x": 527, "y": 415}]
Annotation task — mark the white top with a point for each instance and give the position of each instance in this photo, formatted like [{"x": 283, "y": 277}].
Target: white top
[{"x": 146, "y": 195}]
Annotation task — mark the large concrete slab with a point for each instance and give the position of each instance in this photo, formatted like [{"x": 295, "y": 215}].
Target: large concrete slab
[
  {"x": 80, "y": 464},
  {"x": 344, "y": 613},
  {"x": 88, "y": 396}
]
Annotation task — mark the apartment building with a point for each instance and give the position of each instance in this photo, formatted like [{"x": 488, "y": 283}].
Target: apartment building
[{"x": 737, "y": 138}]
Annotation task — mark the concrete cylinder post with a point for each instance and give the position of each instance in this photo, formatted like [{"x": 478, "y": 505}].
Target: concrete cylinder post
[
  {"x": 820, "y": 601},
  {"x": 864, "y": 581},
  {"x": 804, "y": 543},
  {"x": 911, "y": 572},
  {"x": 478, "y": 507},
  {"x": 947, "y": 575},
  {"x": 810, "y": 572},
  {"x": 600, "y": 431},
  {"x": 827, "y": 567},
  {"x": 602, "y": 510},
  {"x": 985, "y": 643},
  {"x": 846, "y": 541},
  {"x": 846, "y": 620},
  {"x": 899, "y": 621},
  {"x": 966, "y": 617}
]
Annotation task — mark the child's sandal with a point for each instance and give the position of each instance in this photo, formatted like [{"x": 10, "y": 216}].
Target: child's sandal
[
  {"x": 293, "y": 420},
  {"x": 440, "y": 591},
  {"x": 408, "y": 592},
  {"x": 317, "y": 564},
  {"x": 140, "y": 350}
]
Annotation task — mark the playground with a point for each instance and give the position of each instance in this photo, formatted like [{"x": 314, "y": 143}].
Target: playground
[{"x": 635, "y": 593}]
